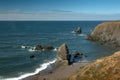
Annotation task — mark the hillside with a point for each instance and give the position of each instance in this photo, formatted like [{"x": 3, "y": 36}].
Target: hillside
[
  {"x": 107, "y": 33},
  {"x": 107, "y": 68}
]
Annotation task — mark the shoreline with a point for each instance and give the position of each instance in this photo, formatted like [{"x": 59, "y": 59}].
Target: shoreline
[
  {"x": 57, "y": 72},
  {"x": 44, "y": 66}
]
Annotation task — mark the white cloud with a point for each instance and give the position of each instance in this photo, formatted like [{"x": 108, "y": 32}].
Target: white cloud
[
  {"x": 60, "y": 11},
  {"x": 58, "y": 16},
  {"x": 8, "y": 11}
]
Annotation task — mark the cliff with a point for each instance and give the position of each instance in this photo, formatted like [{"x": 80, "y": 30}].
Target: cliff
[
  {"x": 107, "y": 32},
  {"x": 107, "y": 68}
]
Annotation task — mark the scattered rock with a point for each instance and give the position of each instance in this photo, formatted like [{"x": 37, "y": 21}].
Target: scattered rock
[{"x": 39, "y": 47}]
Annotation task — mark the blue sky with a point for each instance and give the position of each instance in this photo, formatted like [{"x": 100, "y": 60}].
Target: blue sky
[{"x": 59, "y": 9}]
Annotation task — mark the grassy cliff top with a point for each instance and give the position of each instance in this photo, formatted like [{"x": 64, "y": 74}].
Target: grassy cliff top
[{"x": 107, "y": 68}]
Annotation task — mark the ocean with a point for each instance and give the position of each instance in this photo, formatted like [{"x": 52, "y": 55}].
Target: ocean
[{"x": 15, "y": 61}]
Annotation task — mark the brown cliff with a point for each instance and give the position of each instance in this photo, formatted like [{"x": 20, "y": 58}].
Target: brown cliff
[
  {"x": 107, "y": 32},
  {"x": 107, "y": 68}
]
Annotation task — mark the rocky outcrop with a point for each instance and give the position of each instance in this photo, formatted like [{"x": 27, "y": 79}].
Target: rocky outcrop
[
  {"x": 107, "y": 68},
  {"x": 63, "y": 55},
  {"x": 78, "y": 30},
  {"x": 107, "y": 32},
  {"x": 62, "y": 52},
  {"x": 39, "y": 47}
]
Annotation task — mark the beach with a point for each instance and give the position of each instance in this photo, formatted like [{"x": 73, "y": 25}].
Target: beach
[
  {"x": 59, "y": 73},
  {"x": 18, "y": 43}
]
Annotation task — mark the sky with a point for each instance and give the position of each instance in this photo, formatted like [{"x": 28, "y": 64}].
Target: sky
[{"x": 59, "y": 9}]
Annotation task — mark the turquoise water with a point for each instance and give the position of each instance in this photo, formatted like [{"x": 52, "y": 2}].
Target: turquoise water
[{"x": 15, "y": 61}]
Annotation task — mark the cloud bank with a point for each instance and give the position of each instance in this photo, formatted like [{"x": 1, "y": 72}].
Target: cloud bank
[{"x": 58, "y": 16}]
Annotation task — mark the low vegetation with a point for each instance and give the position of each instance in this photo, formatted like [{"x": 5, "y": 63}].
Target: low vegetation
[{"x": 107, "y": 68}]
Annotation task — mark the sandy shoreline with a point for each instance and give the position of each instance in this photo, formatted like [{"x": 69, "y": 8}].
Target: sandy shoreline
[{"x": 58, "y": 73}]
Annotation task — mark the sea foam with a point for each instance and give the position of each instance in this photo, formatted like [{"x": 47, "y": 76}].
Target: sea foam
[
  {"x": 55, "y": 49},
  {"x": 23, "y": 47},
  {"x": 31, "y": 49},
  {"x": 81, "y": 34},
  {"x": 42, "y": 67}
]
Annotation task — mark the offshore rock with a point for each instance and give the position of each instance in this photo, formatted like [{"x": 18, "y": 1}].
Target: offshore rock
[{"x": 39, "y": 47}]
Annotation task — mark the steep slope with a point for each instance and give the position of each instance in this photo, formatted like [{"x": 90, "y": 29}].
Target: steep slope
[
  {"x": 107, "y": 68},
  {"x": 107, "y": 32}
]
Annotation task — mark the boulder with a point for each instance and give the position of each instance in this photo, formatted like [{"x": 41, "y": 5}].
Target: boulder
[{"x": 63, "y": 52}]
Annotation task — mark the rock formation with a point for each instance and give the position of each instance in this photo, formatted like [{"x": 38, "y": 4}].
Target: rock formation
[
  {"x": 78, "y": 30},
  {"x": 39, "y": 47},
  {"x": 63, "y": 54},
  {"x": 107, "y": 68},
  {"x": 107, "y": 32}
]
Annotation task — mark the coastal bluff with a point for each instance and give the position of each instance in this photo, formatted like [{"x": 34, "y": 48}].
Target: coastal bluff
[
  {"x": 107, "y": 32},
  {"x": 107, "y": 68}
]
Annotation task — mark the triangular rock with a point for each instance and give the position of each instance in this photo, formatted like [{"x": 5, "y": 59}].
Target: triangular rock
[{"x": 62, "y": 52}]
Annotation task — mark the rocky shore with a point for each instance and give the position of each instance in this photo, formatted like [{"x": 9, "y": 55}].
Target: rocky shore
[
  {"x": 107, "y": 68},
  {"x": 61, "y": 69}
]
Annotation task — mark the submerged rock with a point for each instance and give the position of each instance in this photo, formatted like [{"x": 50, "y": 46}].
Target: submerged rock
[{"x": 32, "y": 56}]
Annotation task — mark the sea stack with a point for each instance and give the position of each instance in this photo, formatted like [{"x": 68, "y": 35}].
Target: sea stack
[{"x": 63, "y": 53}]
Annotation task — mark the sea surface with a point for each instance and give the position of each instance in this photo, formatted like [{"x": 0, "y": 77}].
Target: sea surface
[{"x": 15, "y": 62}]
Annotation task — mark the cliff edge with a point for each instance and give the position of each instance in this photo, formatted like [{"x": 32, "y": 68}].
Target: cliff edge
[
  {"x": 107, "y": 68},
  {"x": 107, "y": 32}
]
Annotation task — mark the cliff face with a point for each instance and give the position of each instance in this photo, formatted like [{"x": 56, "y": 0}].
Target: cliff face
[
  {"x": 108, "y": 32},
  {"x": 107, "y": 68}
]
